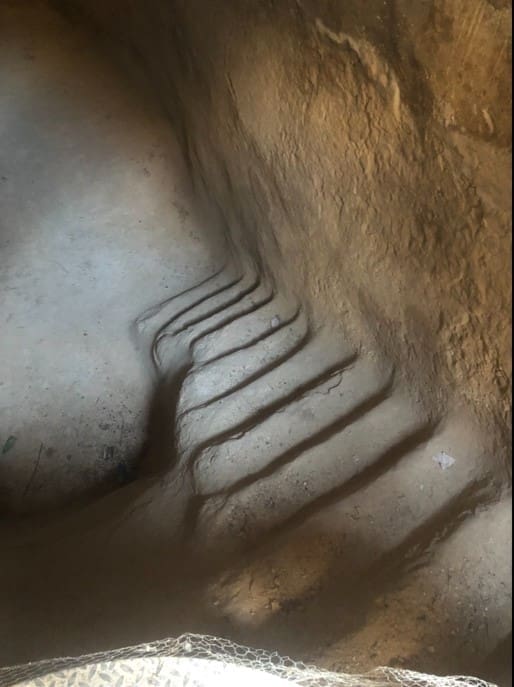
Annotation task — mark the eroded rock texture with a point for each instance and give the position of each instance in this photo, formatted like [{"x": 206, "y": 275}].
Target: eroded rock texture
[
  {"x": 361, "y": 153},
  {"x": 331, "y": 475}
]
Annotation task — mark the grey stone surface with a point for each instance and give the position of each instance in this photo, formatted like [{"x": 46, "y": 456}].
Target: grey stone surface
[{"x": 96, "y": 224}]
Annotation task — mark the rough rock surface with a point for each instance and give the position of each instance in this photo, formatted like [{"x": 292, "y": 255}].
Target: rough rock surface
[
  {"x": 321, "y": 480},
  {"x": 363, "y": 154},
  {"x": 306, "y": 502}
]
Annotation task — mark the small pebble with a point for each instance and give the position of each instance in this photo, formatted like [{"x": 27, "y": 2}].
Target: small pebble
[{"x": 444, "y": 460}]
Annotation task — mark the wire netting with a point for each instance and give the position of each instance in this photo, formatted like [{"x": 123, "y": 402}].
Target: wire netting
[{"x": 204, "y": 661}]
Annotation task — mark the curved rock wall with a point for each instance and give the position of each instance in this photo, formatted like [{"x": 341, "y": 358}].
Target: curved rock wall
[{"x": 362, "y": 154}]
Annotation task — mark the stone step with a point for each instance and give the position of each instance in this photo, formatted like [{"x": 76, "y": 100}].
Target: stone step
[
  {"x": 209, "y": 383},
  {"x": 315, "y": 363},
  {"x": 318, "y": 412},
  {"x": 313, "y": 469}
]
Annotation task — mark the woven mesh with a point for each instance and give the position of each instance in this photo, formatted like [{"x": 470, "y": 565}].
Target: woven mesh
[{"x": 204, "y": 661}]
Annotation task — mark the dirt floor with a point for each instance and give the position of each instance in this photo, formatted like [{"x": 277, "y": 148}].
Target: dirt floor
[{"x": 195, "y": 454}]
